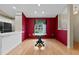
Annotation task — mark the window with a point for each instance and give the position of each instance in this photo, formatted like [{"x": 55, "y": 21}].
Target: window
[
  {"x": 40, "y": 26},
  {"x": 5, "y": 27}
]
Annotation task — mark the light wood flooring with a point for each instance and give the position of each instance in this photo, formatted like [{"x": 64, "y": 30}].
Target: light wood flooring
[{"x": 52, "y": 47}]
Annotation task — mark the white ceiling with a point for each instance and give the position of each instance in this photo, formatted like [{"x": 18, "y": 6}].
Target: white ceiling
[{"x": 33, "y": 10}]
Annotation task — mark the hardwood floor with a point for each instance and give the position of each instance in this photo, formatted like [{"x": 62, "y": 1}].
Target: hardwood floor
[{"x": 52, "y": 47}]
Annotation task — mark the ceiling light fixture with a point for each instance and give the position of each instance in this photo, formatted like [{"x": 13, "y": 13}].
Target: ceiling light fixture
[
  {"x": 35, "y": 12},
  {"x": 38, "y": 4},
  {"x": 14, "y": 7},
  {"x": 36, "y": 48},
  {"x": 43, "y": 12},
  {"x": 42, "y": 48},
  {"x": 75, "y": 10}
]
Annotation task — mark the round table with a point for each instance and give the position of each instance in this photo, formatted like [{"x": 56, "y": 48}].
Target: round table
[{"x": 39, "y": 42}]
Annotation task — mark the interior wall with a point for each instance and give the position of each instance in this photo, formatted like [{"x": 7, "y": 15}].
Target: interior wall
[
  {"x": 24, "y": 27},
  {"x": 76, "y": 27},
  {"x": 61, "y": 35},
  {"x": 70, "y": 34},
  {"x": 28, "y": 27},
  {"x": 18, "y": 22},
  {"x": 65, "y": 26},
  {"x": 61, "y": 32},
  {"x": 63, "y": 20},
  {"x": 50, "y": 27}
]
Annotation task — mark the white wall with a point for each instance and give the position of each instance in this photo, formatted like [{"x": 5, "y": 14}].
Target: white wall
[
  {"x": 18, "y": 21},
  {"x": 10, "y": 41},
  {"x": 76, "y": 27},
  {"x": 4, "y": 19},
  {"x": 0, "y": 44},
  {"x": 76, "y": 23},
  {"x": 63, "y": 20}
]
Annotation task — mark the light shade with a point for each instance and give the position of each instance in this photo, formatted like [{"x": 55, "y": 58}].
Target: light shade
[
  {"x": 35, "y": 12},
  {"x": 36, "y": 48},
  {"x": 38, "y": 4},
  {"x": 75, "y": 10},
  {"x": 42, "y": 48},
  {"x": 14, "y": 7},
  {"x": 43, "y": 12}
]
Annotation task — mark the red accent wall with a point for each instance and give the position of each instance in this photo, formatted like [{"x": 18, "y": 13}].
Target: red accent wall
[
  {"x": 50, "y": 27},
  {"x": 61, "y": 35},
  {"x": 24, "y": 27},
  {"x": 28, "y": 27}
]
